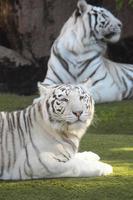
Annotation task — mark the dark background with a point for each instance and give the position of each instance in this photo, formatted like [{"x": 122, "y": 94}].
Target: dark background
[{"x": 27, "y": 31}]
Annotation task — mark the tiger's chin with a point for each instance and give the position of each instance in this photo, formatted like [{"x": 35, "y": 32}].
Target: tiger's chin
[
  {"x": 112, "y": 37},
  {"x": 77, "y": 129},
  {"x": 77, "y": 125},
  {"x": 70, "y": 127}
]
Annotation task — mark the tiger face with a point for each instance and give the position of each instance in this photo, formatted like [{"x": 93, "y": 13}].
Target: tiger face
[
  {"x": 68, "y": 105},
  {"x": 102, "y": 24}
]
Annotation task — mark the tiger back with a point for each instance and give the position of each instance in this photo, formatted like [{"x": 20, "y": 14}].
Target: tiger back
[{"x": 78, "y": 54}]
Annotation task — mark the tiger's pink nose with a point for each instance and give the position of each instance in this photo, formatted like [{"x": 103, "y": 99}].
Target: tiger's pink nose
[{"x": 78, "y": 113}]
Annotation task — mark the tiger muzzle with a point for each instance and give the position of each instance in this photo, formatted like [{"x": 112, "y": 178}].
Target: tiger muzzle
[{"x": 78, "y": 114}]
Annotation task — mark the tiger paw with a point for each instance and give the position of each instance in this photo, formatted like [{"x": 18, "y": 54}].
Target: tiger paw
[{"x": 105, "y": 169}]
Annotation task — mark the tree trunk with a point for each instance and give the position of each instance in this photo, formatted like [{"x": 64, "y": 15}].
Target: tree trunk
[
  {"x": 28, "y": 27},
  {"x": 17, "y": 74}
]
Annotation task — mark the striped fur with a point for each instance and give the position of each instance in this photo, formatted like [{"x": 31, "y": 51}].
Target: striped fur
[
  {"x": 42, "y": 140},
  {"x": 78, "y": 54}
]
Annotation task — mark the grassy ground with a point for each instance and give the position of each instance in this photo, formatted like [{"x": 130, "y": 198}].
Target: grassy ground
[{"x": 111, "y": 137}]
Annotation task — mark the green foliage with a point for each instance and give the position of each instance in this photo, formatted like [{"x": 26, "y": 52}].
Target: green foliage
[
  {"x": 120, "y": 3},
  {"x": 130, "y": 2},
  {"x": 111, "y": 138}
]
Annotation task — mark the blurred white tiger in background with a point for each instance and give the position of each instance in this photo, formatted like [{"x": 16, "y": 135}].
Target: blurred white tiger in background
[
  {"x": 42, "y": 141},
  {"x": 78, "y": 54}
]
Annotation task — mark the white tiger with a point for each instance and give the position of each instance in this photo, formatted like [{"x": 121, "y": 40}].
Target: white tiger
[
  {"x": 78, "y": 54},
  {"x": 42, "y": 141}
]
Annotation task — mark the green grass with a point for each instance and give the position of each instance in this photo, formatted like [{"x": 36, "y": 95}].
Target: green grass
[{"x": 111, "y": 137}]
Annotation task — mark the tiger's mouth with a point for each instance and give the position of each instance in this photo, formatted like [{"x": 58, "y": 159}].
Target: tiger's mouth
[
  {"x": 75, "y": 122},
  {"x": 110, "y": 35}
]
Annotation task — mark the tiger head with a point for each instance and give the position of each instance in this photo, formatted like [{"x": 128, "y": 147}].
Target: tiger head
[
  {"x": 99, "y": 22},
  {"x": 69, "y": 107}
]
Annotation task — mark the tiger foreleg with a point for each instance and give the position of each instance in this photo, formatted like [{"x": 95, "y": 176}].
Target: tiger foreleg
[
  {"x": 84, "y": 164},
  {"x": 48, "y": 165}
]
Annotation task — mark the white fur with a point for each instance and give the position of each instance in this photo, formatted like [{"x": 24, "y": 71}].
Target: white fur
[
  {"x": 48, "y": 148},
  {"x": 78, "y": 44}
]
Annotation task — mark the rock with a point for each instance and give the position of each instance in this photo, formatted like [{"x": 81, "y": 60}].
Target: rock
[{"x": 19, "y": 75}]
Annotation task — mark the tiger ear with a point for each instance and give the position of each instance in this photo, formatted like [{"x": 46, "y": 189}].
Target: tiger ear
[
  {"x": 43, "y": 89},
  {"x": 82, "y": 6}
]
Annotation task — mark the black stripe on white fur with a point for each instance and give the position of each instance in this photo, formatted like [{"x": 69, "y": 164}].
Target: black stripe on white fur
[{"x": 78, "y": 54}]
